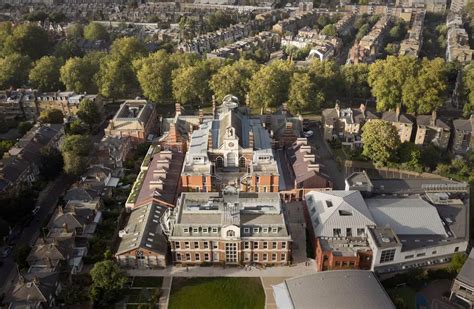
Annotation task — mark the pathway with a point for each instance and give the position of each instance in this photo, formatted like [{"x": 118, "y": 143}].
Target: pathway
[
  {"x": 165, "y": 292},
  {"x": 267, "y": 284}
]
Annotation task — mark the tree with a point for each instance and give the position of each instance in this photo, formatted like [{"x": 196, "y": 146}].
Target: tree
[
  {"x": 325, "y": 75},
  {"x": 457, "y": 261},
  {"x": 154, "y": 76},
  {"x": 45, "y": 74},
  {"x": 51, "y": 116},
  {"x": 304, "y": 94},
  {"x": 197, "y": 85},
  {"x": 74, "y": 164},
  {"x": 387, "y": 79},
  {"x": 28, "y": 40},
  {"x": 116, "y": 78},
  {"x": 426, "y": 91},
  {"x": 330, "y": 30},
  {"x": 409, "y": 155},
  {"x": 24, "y": 127},
  {"x": 77, "y": 144},
  {"x": 107, "y": 282},
  {"x": 269, "y": 85},
  {"x": 380, "y": 141},
  {"x": 51, "y": 163},
  {"x": 89, "y": 113},
  {"x": 20, "y": 254},
  {"x": 80, "y": 74},
  {"x": 468, "y": 90},
  {"x": 5, "y": 145},
  {"x": 234, "y": 79},
  {"x": 392, "y": 49},
  {"x": 75, "y": 31},
  {"x": 355, "y": 80},
  {"x": 14, "y": 70},
  {"x": 128, "y": 49},
  {"x": 95, "y": 31},
  {"x": 67, "y": 49}
]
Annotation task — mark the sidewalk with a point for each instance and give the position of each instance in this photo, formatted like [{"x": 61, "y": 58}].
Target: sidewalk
[
  {"x": 165, "y": 292},
  {"x": 218, "y": 271}
]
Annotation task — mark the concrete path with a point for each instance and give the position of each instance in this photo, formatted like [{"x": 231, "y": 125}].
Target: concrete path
[
  {"x": 267, "y": 284},
  {"x": 165, "y": 292}
]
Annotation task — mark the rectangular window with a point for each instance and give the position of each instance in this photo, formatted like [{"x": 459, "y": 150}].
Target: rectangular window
[
  {"x": 246, "y": 230},
  {"x": 265, "y": 245},
  {"x": 215, "y": 245},
  {"x": 283, "y": 245},
  {"x": 265, "y": 257},
  {"x": 246, "y": 245},
  {"x": 247, "y": 256},
  {"x": 197, "y": 256},
  {"x": 255, "y": 257},
  {"x": 255, "y": 229},
  {"x": 336, "y": 232},
  {"x": 338, "y": 263},
  {"x": 409, "y": 256},
  {"x": 421, "y": 254},
  {"x": 274, "y": 256},
  {"x": 265, "y": 229},
  {"x": 360, "y": 232},
  {"x": 274, "y": 245},
  {"x": 186, "y": 244},
  {"x": 456, "y": 249},
  {"x": 195, "y": 229},
  {"x": 274, "y": 230},
  {"x": 186, "y": 230},
  {"x": 348, "y": 232},
  {"x": 176, "y": 245},
  {"x": 214, "y": 229},
  {"x": 178, "y": 256},
  {"x": 283, "y": 256},
  {"x": 387, "y": 256},
  {"x": 196, "y": 245},
  {"x": 188, "y": 256},
  {"x": 205, "y": 230},
  {"x": 255, "y": 244},
  {"x": 434, "y": 252},
  {"x": 206, "y": 257},
  {"x": 206, "y": 245}
]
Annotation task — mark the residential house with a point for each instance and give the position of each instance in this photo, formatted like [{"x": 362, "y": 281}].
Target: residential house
[
  {"x": 411, "y": 45},
  {"x": 142, "y": 242},
  {"x": 285, "y": 128},
  {"x": 18, "y": 104},
  {"x": 136, "y": 119},
  {"x": 20, "y": 165},
  {"x": 462, "y": 289},
  {"x": 38, "y": 290},
  {"x": 458, "y": 48},
  {"x": 229, "y": 228},
  {"x": 404, "y": 123},
  {"x": 463, "y": 139},
  {"x": 113, "y": 151},
  {"x": 432, "y": 130}
]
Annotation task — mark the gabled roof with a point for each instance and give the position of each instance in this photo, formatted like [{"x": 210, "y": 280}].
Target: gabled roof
[
  {"x": 426, "y": 120},
  {"x": 466, "y": 275},
  {"x": 335, "y": 209},
  {"x": 391, "y": 116},
  {"x": 53, "y": 252}
]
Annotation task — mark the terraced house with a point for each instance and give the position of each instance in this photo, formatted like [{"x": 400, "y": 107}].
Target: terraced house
[{"x": 229, "y": 228}]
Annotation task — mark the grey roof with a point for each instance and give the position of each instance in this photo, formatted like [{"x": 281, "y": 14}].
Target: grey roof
[
  {"x": 466, "y": 275},
  {"x": 143, "y": 230},
  {"x": 335, "y": 289},
  {"x": 391, "y": 116},
  {"x": 463, "y": 125},
  {"x": 32, "y": 288},
  {"x": 426, "y": 120},
  {"x": 406, "y": 216}
]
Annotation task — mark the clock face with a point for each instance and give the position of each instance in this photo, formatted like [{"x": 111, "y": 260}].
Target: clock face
[{"x": 231, "y": 144}]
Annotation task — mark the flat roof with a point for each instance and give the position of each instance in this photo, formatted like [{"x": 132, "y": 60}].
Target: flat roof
[{"x": 337, "y": 289}]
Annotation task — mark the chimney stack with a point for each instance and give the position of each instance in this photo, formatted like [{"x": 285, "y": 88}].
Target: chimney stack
[
  {"x": 251, "y": 140},
  {"x": 209, "y": 141},
  {"x": 178, "y": 108},
  {"x": 201, "y": 115},
  {"x": 214, "y": 106},
  {"x": 434, "y": 115},
  {"x": 338, "y": 109},
  {"x": 397, "y": 112},
  {"x": 362, "y": 109},
  {"x": 284, "y": 108}
]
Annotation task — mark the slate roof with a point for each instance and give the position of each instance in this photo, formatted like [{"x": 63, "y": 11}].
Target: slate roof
[
  {"x": 466, "y": 275},
  {"x": 391, "y": 116},
  {"x": 32, "y": 288},
  {"x": 425, "y": 120}
]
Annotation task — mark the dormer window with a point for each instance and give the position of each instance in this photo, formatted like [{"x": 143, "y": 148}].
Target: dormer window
[
  {"x": 230, "y": 234},
  {"x": 255, "y": 229},
  {"x": 329, "y": 203},
  {"x": 186, "y": 230}
]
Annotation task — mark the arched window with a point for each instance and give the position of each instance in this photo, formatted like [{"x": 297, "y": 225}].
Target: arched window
[
  {"x": 219, "y": 162},
  {"x": 231, "y": 159},
  {"x": 242, "y": 162},
  {"x": 230, "y": 233}
]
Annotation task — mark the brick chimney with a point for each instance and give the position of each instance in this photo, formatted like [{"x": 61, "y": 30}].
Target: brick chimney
[
  {"x": 338, "y": 109},
  {"x": 433, "y": 118},
  {"x": 284, "y": 108},
  {"x": 397, "y": 113},
  {"x": 362, "y": 109},
  {"x": 201, "y": 115},
  {"x": 178, "y": 109},
  {"x": 172, "y": 135},
  {"x": 209, "y": 141}
]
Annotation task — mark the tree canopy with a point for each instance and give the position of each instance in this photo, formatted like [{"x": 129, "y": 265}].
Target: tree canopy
[
  {"x": 107, "y": 282},
  {"x": 89, "y": 112},
  {"x": 80, "y": 74},
  {"x": 51, "y": 116},
  {"x": 28, "y": 40},
  {"x": 45, "y": 74},
  {"x": 95, "y": 31},
  {"x": 380, "y": 141},
  {"x": 14, "y": 70}
]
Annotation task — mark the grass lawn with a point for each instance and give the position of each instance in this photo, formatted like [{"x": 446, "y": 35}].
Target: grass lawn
[
  {"x": 222, "y": 293},
  {"x": 406, "y": 293},
  {"x": 147, "y": 282},
  {"x": 140, "y": 296}
]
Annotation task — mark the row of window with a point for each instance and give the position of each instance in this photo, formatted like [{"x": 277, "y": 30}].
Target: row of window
[
  {"x": 204, "y": 229},
  {"x": 260, "y": 229},
  {"x": 233, "y": 258},
  {"x": 196, "y": 230},
  {"x": 214, "y": 244},
  {"x": 337, "y": 232},
  {"x": 344, "y": 264}
]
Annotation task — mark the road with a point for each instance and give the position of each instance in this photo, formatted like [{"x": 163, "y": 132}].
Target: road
[{"x": 28, "y": 234}]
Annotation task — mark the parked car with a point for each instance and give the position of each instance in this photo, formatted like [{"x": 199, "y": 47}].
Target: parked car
[{"x": 308, "y": 133}]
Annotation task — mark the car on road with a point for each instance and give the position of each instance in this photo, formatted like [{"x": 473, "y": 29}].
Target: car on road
[
  {"x": 5, "y": 252},
  {"x": 308, "y": 133}
]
